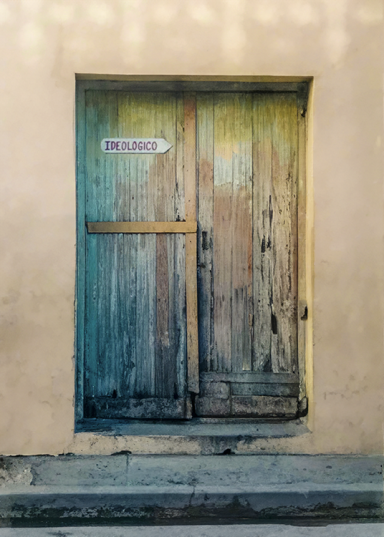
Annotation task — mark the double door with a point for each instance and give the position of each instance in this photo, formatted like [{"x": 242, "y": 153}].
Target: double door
[{"x": 187, "y": 263}]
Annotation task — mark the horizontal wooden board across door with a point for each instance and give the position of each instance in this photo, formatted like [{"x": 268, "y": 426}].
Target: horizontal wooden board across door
[{"x": 142, "y": 227}]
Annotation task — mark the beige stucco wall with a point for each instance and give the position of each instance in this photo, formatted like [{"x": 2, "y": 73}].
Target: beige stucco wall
[{"x": 43, "y": 43}]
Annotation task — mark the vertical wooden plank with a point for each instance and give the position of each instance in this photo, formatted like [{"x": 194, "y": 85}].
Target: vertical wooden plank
[
  {"x": 179, "y": 179},
  {"x": 190, "y": 155},
  {"x": 161, "y": 188},
  {"x": 167, "y": 336},
  {"x": 275, "y": 232},
  {"x": 179, "y": 280},
  {"x": 164, "y": 371},
  {"x": 284, "y": 236},
  {"x": 263, "y": 213},
  {"x": 140, "y": 121},
  {"x": 233, "y": 310},
  {"x": 146, "y": 316},
  {"x": 302, "y": 313},
  {"x": 190, "y": 241},
  {"x": 204, "y": 106},
  {"x": 130, "y": 193},
  {"x": 130, "y": 187},
  {"x": 191, "y": 295},
  {"x": 101, "y": 117},
  {"x": 107, "y": 259},
  {"x": 125, "y": 202},
  {"x": 106, "y": 286},
  {"x": 80, "y": 248},
  {"x": 241, "y": 230},
  {"x": 91, "y": 266},
  {"x": 222, "y": 246}
]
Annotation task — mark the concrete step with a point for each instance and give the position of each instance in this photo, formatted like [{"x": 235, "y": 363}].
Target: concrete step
[{"x": 201, "y": 489}]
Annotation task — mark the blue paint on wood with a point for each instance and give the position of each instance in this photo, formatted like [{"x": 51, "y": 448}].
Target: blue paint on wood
[{"x": 132, "y": 315}]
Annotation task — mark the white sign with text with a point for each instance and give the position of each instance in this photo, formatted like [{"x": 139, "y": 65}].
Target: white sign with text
[{"x": 135, "y": 145}]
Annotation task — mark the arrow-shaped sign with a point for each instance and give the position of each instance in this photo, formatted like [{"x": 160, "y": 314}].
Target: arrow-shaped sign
[{"x": 135, "y": 145}]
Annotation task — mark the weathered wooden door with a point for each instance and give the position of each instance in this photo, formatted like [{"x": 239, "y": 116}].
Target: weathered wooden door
[
  {"x": 247, "y": 254},
  {"x": 136, "y": 295},
  {"x": 232, "y": 174}
]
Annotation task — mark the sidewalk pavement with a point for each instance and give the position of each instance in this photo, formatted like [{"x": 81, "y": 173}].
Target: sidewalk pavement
[{"x": 268, "y": 530}]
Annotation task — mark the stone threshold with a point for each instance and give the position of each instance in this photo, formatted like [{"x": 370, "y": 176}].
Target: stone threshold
[{"x": 198, "y": 427}]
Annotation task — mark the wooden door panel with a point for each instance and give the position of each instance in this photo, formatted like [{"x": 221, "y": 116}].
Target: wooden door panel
[
  {"x": 232, "y": 250},
  {"x": 135, "y": 188},
  {"x": 247, "y": 251},
  {"x": 275, "y": 233},
  {"x": 140, "y": 338},
  {"x": 205, "y": 152},
  {"x": 135, "y": 304},
  {"x": 135, "y": 340}
]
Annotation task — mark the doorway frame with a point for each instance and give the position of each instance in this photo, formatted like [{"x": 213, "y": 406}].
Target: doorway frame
[{"x": 303, "y": 87}]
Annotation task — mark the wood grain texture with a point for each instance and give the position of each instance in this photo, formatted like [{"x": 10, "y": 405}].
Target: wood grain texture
[
  {"x": 302, "y": 312},
  {"x": 242, "y": 307},
  {"x": 227, "y": 218},
  {"x": 213, "y": 407},
  {"x": 275, "y": 232},
  {"x": 256, "y": 406},
  {"x": 179, "y": 267},
  {"x": 144, "y": 264},
  {"x": 275, "y": 389},
  {"x": 100, "y": 117},
  {"x": 133, "y": 201},
  {"x": 141, "y": 227},
  {"x": 213, "y": 84},
  {"x": 222, "y": 240},
  {"x": 80, "y": 252},
  {"x": 224, "y": 390},
  {"x": 191, "y": 244},
  {"x": 248, "y": 212},
  {"x": 264, "y": 406},
  {"x": 190, "y": 156},
  {"x": 136, "y": 336},
  {"x": 131, "y": 408},
  {"x": 250, "y": 376},
  {"x": 192, "y": 328},
  {"x": 205, "y": 148}
]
